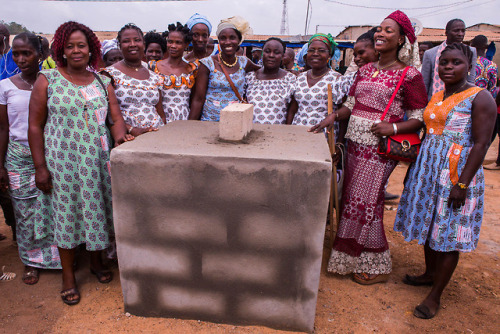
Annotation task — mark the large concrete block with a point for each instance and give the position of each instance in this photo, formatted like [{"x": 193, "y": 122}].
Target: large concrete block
[
  {"x": 220, "y": 231},
  {"x": 236, "y": 121}
]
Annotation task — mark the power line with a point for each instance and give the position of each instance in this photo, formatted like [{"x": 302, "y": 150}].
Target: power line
[
  {"x": 391, "y": 8},
  {"x": 443, "y": 11}
]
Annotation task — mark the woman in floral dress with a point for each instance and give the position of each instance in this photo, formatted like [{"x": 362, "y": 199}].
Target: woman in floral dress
[
  {"x": 70, "y": 145},
  {"x": 178, "y": 76},
  {"x": 443, "y": 200},
  {"x": 137, "y": 88},
  {"x": 270, "y": 89}
]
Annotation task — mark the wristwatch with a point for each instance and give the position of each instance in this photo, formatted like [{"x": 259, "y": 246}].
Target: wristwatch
[{"x": 462, "y": 185}]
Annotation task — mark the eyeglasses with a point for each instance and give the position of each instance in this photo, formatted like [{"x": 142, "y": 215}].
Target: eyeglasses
[{"x": 319, "y": 51}]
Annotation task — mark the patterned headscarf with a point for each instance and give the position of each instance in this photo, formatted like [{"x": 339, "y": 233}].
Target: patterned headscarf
[
  {"x": 408, "y": 54},
  {"x": 198, "y": 18},
  {"x": 300, "y": 56},
  {"x": 108, "y": 45},
  {"x": 236, "y": 23},
  {"x": 327, "y": 39},
  {"x": 405, "y": 23}
]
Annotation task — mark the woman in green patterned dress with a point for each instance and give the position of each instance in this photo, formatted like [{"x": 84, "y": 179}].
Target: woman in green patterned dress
[{"x": 70, "y": 145}]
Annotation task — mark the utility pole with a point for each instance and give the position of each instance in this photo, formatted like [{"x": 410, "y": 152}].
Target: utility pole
[
  {"x": 307, "y": 17},
  {"x": 284, "y": 20}
]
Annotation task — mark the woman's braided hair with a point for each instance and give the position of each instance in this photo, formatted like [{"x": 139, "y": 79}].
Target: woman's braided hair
[
  {"x": 126, "y": 27},
  {"x": 32, "y": 39},
  {"x": 61, "y": 36},
  {"x": 183, "y": 29},
  {"x": 465, "y": 49}
]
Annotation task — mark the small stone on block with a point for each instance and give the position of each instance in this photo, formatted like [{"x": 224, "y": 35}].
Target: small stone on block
[{"x": 235, "y": 121}]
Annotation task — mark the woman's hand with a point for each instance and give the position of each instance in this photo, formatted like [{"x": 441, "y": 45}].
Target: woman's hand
[
  {"x": 139, "y": 131},
  {"x": 382, "y": 129},
  {"x": 4, "y": 179},
  {"x": 43, "y": 180},
  {"x": 121, "y": 140},
  {"x": 457, "y": 197},
  {"x": 326, "y": 123},
  {"x": 337, "y": 155}
]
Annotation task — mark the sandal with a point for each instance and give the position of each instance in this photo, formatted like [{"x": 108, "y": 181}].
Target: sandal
[
  {"x": 7, "y": 276},
  {"x": 369, "y": 279},
  {"x": 73, "y": 292},
  {"x": 31, "y": 275},
  {"x": 416, "y": 281},
  {"x": 104, "y": 276},
  {"x": 423, "y": 312}
]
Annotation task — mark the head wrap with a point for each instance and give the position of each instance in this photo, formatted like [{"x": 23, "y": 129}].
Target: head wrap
[
  {"x": 236, "y": 23},
  {"x": 327, "y": 39},
  {"x": 301, "y": 54},
  {"x": 108, "y": 45},
  {"x": 405, "y": 23},
  {"x": 198, "y": 18},
  {"x": 408, "y": 53}
]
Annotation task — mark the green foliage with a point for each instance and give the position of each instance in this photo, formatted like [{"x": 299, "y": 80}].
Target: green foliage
[{"x": 15, "y": 28}]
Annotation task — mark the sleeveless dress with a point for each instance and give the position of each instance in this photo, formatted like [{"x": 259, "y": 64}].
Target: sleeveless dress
[
  {"x": 423, "y": 213},
  {"x": 219, "y": 92},
  {"x": 77, "y": 152}
]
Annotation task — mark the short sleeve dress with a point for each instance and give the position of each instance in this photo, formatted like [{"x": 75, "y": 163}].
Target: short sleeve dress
[
  {"x": 176, "y": 92},
  {"x": 313, "y": 101},
  {"x": 77, "y": 151},
  {"x": 137, "y": 98},
  {"x": 219, "y": 92},
  {"x": 270, "y": 98}
]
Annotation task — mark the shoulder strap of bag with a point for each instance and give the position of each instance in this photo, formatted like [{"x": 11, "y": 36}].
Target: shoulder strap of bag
[
  {"x": 231, "y": 83},
  {"x": 101, "y": 83},
  {"x": 395, "y": 92}
]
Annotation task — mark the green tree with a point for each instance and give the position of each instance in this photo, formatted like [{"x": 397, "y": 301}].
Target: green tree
[{"x": 15, "y": 28}]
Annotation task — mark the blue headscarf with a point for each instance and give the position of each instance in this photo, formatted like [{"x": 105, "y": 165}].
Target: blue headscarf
[
  {"x": 301, "y": 54},
  {"x": 198, "y": 18}
]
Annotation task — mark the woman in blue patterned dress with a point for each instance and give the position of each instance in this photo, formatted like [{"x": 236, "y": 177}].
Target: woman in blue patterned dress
[
  {"x": 212, "y": 91},
  {"x": 70, "y": 145},
  {"x": 443, "y": 200}
]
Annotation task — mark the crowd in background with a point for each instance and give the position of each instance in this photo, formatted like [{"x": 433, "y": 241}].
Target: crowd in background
[{"x": 64, "y": 107}]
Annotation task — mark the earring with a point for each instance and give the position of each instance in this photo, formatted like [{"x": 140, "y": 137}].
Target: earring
[
  {"x": 90, "y": 54},
  {"x": 64, "y": 56}
]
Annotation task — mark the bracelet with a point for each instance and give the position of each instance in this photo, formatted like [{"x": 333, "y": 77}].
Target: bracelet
[
  {"x": 129, "y": 130},
  {"x": 462, "y": 185},
  {"x": 395, "y": 127}
]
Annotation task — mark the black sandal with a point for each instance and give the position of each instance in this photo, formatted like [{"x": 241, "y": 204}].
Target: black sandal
[
  {"x": 423, "y": 312},
  {"x": 70, "y": 292},
  {"x": 104, "y": 276},
  {"x": 414, "y": 280}
]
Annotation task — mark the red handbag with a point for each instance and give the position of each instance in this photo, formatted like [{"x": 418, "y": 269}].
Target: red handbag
[{"x": 403, "y": 146}]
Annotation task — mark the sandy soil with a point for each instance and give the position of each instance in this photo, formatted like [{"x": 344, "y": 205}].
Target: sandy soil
[{"x": 470, "y": 304}]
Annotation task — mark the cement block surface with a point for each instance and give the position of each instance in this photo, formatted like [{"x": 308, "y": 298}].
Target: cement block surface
[
  {"x": 218, "y": 231},
  {"x": 236, "y": 121}
]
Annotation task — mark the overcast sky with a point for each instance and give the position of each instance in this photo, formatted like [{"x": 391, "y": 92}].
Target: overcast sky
[{"x": 264, "y": 15}]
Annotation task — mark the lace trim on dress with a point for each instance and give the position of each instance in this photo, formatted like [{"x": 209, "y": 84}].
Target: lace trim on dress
[
  {"x": 349, "y": 103},
  {"x": 368, "y": 262},
  {"x": 358, "y": 131},
  {"x": 416, "y": 114}
]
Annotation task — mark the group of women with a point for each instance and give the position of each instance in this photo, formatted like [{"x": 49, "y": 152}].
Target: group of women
[{"x": 58, "y": 126}]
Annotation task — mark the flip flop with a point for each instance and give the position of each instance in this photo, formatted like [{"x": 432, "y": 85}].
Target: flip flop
[
  {"x": 365, "y": 279},
  {"x": 70, "y": 292},
  {"x": 7, "y": 276},
  {"x": 103, "y": 277},
  {"x": 423, "y": 312},
  {"x": 413, "y": 280}
]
